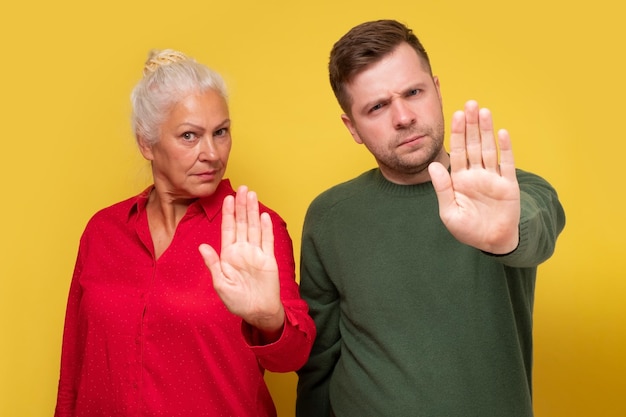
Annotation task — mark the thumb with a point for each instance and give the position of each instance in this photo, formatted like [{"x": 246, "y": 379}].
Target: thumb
[
  {"x": 211, "y": 259},
  {"x": 442, "y": 183}
]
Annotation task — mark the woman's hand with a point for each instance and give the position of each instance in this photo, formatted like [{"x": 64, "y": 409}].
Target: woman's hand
[{"x": 245, "y": 274}]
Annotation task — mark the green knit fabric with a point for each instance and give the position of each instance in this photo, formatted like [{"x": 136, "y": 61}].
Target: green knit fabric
[{"x": 410, "y": 321}]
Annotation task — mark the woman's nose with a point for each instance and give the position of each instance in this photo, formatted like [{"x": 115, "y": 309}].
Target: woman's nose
[{"x": 207, "y": 150}]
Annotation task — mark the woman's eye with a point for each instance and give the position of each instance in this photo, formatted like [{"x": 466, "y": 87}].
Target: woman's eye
[
  {"x": 221, "y": 132},
  {"x": 189, "y": 136}
]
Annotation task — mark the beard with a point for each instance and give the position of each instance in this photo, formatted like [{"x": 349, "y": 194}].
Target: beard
[{"x": 415, "y": 161}]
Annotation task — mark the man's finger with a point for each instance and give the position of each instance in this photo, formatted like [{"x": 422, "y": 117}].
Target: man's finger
[
  {"x": 473, "y": 144},
  {"x": 443, "y": 187},
  {"x": 458, "y": 155},
  {"x": 507, "y": 163},
  {"x": 489, "y": 150}
]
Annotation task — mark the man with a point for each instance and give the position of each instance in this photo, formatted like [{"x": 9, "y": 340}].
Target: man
[{"x": 420, "y": 274}]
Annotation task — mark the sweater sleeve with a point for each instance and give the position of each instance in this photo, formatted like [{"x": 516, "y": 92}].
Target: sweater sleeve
[
  {"x": 323, "y": 299},
  {"x": 292, "y": 349},
  {"x": 542, "y": 220}
]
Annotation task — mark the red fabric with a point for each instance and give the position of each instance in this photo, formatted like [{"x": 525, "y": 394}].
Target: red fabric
[{"x": 152, "y": 338}]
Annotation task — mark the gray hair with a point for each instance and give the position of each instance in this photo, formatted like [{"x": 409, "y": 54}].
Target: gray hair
[{"x": 168, "y": 77}]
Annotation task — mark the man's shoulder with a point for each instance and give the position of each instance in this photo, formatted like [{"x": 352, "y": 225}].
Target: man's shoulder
[{"x": 343, "y": 191}]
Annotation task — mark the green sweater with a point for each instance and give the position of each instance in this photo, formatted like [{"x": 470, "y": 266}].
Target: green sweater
[{"x": 410, "y": 321}]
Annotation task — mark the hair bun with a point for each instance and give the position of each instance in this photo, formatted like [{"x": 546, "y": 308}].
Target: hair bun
[{"x": 159, "y": 58}]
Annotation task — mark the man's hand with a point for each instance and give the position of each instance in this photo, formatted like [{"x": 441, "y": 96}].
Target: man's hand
[
  {"x": 479, "y": 200},
  {"x": 245, "y": 274}
]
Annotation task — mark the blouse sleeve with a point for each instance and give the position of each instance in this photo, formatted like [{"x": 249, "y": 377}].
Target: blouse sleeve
[
  {"x": 70, "y": 355},
  {"x": 291, "y": 351}
]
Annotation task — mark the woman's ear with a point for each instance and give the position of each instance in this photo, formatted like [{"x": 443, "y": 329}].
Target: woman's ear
[{"x": 145, "y": 147}]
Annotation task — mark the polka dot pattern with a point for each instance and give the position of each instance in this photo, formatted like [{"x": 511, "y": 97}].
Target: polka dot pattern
[{"x": 148, "y": 337}]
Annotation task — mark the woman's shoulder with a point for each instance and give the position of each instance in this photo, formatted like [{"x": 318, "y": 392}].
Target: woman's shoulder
[{"x": 120, "y": 211}]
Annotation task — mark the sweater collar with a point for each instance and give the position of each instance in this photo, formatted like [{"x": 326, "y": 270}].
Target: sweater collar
[{"x": 399, "y": 190}]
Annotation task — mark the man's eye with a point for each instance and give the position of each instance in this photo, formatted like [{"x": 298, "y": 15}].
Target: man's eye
[
  {"x": 414, "y": 92},
  {"x": 376, "y": 107}
]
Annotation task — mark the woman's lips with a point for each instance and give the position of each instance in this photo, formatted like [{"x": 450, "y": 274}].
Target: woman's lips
[{"x": 206, "y": 175}]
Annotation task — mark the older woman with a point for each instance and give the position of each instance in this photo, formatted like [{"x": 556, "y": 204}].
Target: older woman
[{"x": 182, "y": 295}]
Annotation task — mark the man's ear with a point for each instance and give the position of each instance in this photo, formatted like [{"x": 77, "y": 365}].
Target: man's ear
[
  {"x": 350, "y": 126},
  {"x": 437, "y": 87},
  {"x": 145, "y": 148}
]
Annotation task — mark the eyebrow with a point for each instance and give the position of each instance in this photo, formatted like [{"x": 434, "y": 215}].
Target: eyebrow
[
  {"x": 368, "y": 105},
  {"x": 420, "y": 85},
  {"x": 223, "y": 123}
]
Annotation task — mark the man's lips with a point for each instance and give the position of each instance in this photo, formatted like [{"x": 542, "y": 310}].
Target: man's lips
[{"x": 411, "y": 140}]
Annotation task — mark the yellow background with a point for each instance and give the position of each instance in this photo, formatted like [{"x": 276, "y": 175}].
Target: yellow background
[{"x": 552, "y": 73}]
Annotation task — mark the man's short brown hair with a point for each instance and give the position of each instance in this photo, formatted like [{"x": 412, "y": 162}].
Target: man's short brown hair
[{"x": 364, "y": 45}]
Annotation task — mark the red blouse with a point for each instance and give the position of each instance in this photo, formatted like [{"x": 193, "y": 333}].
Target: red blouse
[{"x": 146, "y": 337}]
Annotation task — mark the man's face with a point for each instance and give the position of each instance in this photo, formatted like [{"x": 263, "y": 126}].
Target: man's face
[{"x": 397, "y": 114}]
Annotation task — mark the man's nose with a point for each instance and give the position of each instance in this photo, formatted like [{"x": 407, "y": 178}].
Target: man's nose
[{"x": 403, "y": 114}]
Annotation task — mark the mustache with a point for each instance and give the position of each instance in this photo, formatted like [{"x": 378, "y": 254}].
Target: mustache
[
  {"x": 411, "y": 132},
  {"x": 436, "y": 132}
]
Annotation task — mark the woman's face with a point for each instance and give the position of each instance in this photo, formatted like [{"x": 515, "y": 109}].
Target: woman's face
[{"x": 190, "y": 157}]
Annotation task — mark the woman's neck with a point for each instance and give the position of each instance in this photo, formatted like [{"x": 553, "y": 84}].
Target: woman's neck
[{"x": 164, "y": 213}]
